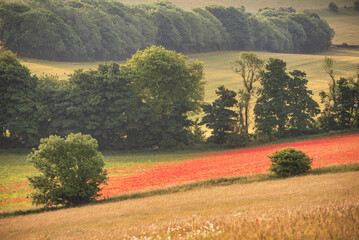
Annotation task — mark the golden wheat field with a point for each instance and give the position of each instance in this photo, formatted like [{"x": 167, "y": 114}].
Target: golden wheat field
[{"x": 309, "y": 207}]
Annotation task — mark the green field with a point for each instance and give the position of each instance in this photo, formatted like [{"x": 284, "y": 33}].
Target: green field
[
  {"x": 218, "y": 68},
  {"x": 14, "y": 170}
]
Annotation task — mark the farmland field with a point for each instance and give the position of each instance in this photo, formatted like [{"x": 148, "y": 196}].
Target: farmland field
[
  {"x": 153, "y": 171},
  {"x": 309, "y": 207}
]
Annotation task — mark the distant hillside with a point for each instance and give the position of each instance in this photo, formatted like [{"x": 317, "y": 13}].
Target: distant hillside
[
  {"x": 253, "y": 6},
  {"x": 344, "y": 22},
  {"x": 82, "y": 30}
]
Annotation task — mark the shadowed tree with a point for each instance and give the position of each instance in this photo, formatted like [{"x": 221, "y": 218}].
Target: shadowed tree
[
  {"x": 17, "y": 101},
  {"x": 219, "y": 116},
  {"x": 284, "y": 101}
]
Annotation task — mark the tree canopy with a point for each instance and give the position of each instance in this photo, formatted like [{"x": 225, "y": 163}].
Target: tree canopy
[
  {"x": 284, "y": 103},
  {"x": 74, "y": 30},
  {"x": 71, "y": 170},
  {"x": 169, "y": 85}
]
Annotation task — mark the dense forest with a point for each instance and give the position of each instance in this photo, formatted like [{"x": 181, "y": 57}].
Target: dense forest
[{"x": 85, "y": 30}]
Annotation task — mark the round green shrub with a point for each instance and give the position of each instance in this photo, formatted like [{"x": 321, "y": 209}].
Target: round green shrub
[
  {"x": 71, "y": 170},
  {"x": 290, "y": 161}
]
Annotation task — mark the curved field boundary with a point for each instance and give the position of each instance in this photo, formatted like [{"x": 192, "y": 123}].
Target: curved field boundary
[{"x": 325, "y": 152}]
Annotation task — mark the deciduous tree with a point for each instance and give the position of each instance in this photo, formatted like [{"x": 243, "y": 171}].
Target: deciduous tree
[
  {"x": 71, "y": 170},
  {"x": 170, "y": 86},
  {"x": 17, "y": 101},
  {"x": 248, "y": 65}
]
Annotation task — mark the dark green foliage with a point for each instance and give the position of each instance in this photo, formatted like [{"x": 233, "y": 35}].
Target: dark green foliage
[
  {"x": 71, "y": 170},
  {"x": 74, "y": 30},
  {"x": 341, "y": 101},
  {"x": 97, "y": 102},
  {"x": 333, "y": 7},
  {"x": 38, "y": 33},
  {"x": 302, "y": 107},
  {"x": 236, "y": 24},
  {"x": 284, "y": 104},
  {"x": 318, "y": 32},
  {"x": 52, "y": 101},
  {"x": 356, "y": 5},
  {"x": 289, "y": 161},
  {"x": 144, "y": 104},
  {"x": 219, "y": 116},
  {"x": 271, "y": 110},
  {"x": 170, "y": 86},
  {"x": 282, "y": 31},
  {"x": 17, "y": 102},
  {"x": 341, "y": 109}
]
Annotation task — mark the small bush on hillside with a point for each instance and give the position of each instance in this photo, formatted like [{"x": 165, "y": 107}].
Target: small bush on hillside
[
  {"x": 290, "y": 161},
  {"x": 333, "y": 7},
  {"x": 71, "y": 170}
]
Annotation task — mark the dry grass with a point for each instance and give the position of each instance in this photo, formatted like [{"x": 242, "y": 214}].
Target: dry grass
[
  {"x": 310, "y": 207},
  {"x": 345, "y": 24}
]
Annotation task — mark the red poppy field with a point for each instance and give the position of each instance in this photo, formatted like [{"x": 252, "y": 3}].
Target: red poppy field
[
  {"x": 325, "y": 152},
  {"x": 195, "y": 167}
]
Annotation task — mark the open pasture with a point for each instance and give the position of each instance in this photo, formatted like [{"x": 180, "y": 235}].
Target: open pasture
[
  {"x": 344, "y": 22},
  {"x": 140, "y": 172},
  {"x": 309, "y": 207}
]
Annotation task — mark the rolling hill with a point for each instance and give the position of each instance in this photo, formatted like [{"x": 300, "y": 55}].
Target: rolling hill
[{"x": 218, "y": 70}]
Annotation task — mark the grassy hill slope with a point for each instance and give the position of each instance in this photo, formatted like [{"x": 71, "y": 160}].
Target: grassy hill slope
[
  {"x": 345, "y": 24},
  {"x": 218, "y": 70},
  {"x": 309, "y": 207}
]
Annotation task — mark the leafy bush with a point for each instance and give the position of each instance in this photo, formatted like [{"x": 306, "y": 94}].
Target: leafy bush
[
  {"x": 72, "y": 170},
  {"x": 290, "y": 161},
  {"x": 333, "y": 7}
]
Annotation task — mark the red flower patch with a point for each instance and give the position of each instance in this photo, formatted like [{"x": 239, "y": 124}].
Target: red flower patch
[{"x": 326, "y": 151}]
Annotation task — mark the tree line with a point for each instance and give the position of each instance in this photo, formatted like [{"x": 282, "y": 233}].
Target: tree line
[
  {"x": 85, "y": 30},
  {"x": 144, "y": 103},
  {"x": 284, "y": 106},
  {"x": 152, "y": 102}
]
